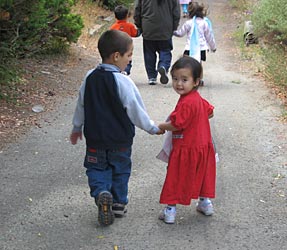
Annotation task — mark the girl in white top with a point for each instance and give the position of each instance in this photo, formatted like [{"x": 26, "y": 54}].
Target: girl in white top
[{"x": 198, "y": 31}]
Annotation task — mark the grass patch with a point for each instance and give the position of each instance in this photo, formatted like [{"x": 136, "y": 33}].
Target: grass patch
[
  {"x": 267, "y": 57},
  {"x": 238, "y": 4},
  {"x": 275, "y": 58}
]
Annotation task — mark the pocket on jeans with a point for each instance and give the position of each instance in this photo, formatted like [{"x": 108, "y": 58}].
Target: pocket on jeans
[{"x": 95, "y": 159}]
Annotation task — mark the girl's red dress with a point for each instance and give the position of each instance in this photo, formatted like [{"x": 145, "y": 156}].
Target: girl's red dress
[{"x": 191, "y": 169}]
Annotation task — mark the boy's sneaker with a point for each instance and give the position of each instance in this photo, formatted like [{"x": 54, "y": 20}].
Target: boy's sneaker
[
  {"x": 163, "y": 76},
  {"x": 168, "y": 215},
  {"x": 205, "y": 206},
  {"x": 105, "y": 215},
  {"x": 119, "y": 210},
  {"x": 152, "y": 81}
]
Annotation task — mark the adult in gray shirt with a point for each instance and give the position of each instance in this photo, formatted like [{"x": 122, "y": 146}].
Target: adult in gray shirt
[{"x": 157, "y": 19}]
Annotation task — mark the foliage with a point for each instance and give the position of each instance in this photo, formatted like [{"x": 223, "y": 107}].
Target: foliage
[
  {"x": 270, "y": 25},
  {"x": 270, "y": 20},
  {"x": 239, "y": 4},
  {"x": 111, "y": 4},
  {"x": 276, "y": 64},
  {"x": 29, "y": 27}
]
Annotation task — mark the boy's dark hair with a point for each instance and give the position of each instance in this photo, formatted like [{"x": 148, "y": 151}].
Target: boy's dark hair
[
  {"x": 121, "y": 12},
  {"x": 196, "y": 9},
  {"x": 190, "y": 63},
  {"x": 112, "y": 41}
]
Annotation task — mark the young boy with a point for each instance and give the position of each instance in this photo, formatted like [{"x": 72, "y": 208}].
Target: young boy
[
  {"x": 109, "y": 107},
  {"x": 122, "y": 24}
]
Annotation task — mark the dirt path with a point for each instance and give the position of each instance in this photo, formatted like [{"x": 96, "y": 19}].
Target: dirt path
[{"x": 45, "y": 201}]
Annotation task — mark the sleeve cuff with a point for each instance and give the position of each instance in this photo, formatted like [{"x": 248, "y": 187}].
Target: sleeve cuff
[{"x": 77, "y": 129}]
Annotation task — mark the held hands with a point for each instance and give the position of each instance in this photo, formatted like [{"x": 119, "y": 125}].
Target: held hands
[
  {"x": 162, "y": 126},
  {"x": 75, "y": 136},
  {"x": 160, "y": 132}
]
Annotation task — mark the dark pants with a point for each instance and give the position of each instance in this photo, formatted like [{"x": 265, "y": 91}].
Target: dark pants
[
  {"x": 202, "y": 54},
  {"x": 109, "y": 170},
  {"x": 128, "y": 68},
  {"x": 150, "y": 50}
]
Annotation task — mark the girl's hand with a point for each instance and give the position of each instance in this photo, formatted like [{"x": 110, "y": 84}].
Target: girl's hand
[{"x": 167, "y": 126}]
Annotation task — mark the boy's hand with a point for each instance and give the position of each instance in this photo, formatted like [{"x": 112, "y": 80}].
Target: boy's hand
[
  {"x": 160, "y": 132},
  {"x": 75, "y": 136}
]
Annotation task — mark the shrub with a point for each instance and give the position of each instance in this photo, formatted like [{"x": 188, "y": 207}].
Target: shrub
[
  {"x": 29, "y": 27},
  {"x": 33, "y": 24},
  {"x": 111, "y": 4},
  {"x": 275, "y": 58},
  {"x": 270, "y": 20}
]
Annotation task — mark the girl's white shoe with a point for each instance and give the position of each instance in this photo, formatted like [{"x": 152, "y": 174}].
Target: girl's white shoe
[
  {"x": 168, "y": 215},
  {"x": 205, "y": 206}
]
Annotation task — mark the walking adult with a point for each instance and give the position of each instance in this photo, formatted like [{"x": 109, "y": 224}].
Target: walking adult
[{"x": 157, "y": 19}]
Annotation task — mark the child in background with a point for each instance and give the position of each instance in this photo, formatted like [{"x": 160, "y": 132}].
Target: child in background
[
  {"x": 199, "y": 35},
  {"x": 191, "y": 168},
  {"x": 109, "y": 107},
  {"x": 122, "y": 14},
  {"x": 184, "y": 7}
]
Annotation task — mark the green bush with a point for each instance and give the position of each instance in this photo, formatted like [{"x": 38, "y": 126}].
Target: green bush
[
  {"x": 33, "y": 24},
  {"x": 275, "y": 60},
  {"x": 270, "y": 19},
  {"x": 29, "y": 27}
]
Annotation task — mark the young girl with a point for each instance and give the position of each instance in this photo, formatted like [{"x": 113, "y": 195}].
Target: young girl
[
  {"x": 191, "y": 167},
  {"x": 199, "y": 35}
]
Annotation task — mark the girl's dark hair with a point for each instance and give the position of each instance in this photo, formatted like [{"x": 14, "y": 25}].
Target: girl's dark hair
[
  {"x": 112, "y": 41},
  {"x": 121, "y": 12},
  {"x": 196, "y": 9},
  {"x": 189, "y": 63},
  {"x": 159, "y": 2}
]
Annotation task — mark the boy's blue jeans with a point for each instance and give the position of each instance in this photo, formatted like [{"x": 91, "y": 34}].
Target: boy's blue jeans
[
  {"x": 150, "y": 50},
  {"x": 128, "y": 68},
  {"x": 109, "y": 170}
]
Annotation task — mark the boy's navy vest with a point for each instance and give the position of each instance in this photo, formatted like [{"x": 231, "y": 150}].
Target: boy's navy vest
[{"x": 107, "y": 125}]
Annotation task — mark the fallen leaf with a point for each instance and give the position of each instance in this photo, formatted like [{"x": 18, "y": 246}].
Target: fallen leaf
[
  {"x": 281, "y": 193},
  {"x": 278, "y": 176},
  {"x": 236, "y": 81}
]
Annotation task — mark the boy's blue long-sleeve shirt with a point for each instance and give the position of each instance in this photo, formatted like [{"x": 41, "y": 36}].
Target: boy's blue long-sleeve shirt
[{"x": 128, "y": 96}]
